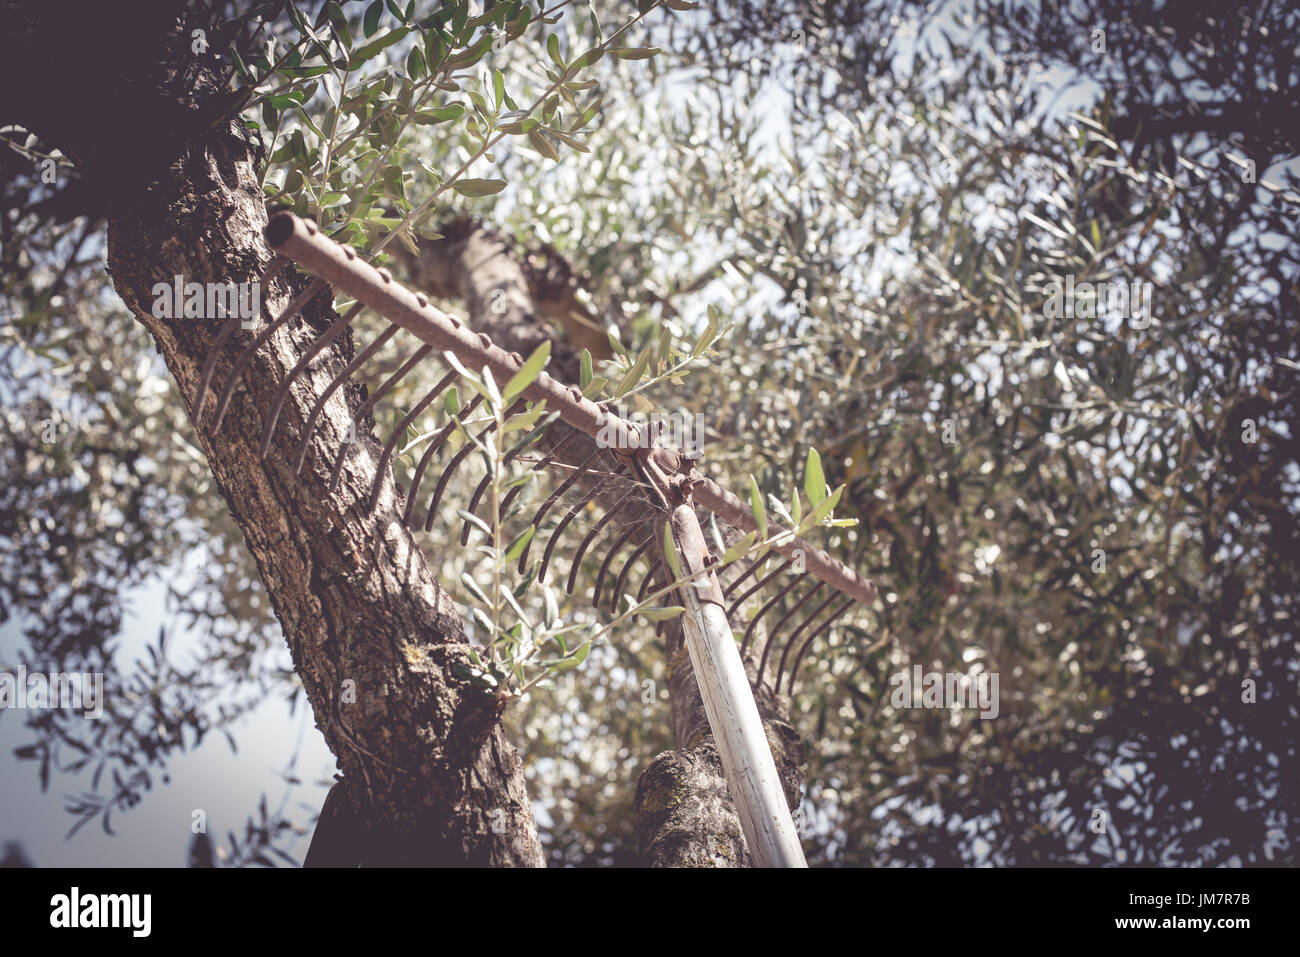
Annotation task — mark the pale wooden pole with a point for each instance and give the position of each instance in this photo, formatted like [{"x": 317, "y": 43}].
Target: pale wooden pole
[{"x": 729, "y": 703}]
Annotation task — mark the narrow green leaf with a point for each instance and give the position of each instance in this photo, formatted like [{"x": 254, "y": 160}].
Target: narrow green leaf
[
  {"x": 670, "y": 551},
  {"x": 584, "y": 369},
  {"x": 660, "y": 613},
  {"x": 739, "y": 548},
  {"x": 528, "y": 372},
  {"x": 498, "y": 87},
  {"x": 826, "y": 507},
  {"x": 479, "y": 187},
  {"x": 578, "y": 657},
  {"x": 519, "y": 544},
  {"x": 473, "y": 588},
  {"x": 757, "y": 506},
  {"x": 538, "y": 141},
  {"x": 370, "y": 22},
  {"x": 814, "y": 482},
  {"x": 494, "y": 393},
  {"x": 709, "y": 334},
  {"x": 362, "y": 54},
  {"x": 636, "y": 53},
  {"x": 443, "y": 113},
  {"x": 635, "y": 373}
]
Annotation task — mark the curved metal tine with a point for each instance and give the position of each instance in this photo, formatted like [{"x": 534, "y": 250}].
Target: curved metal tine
[
  {"x": 651, "y": 575},
  {"x": 568, "y": 517},
  {"x": 720, "y": 568},
  {"x": 776, "y": 629},
  {"x": 756, "y": 586},
  {"x": 767, "y": 606},
  {"x": 752, "y": 569},
  {"x": 400, "y": 429},
  {"x": 277, "y": 402},
  {"x": 454, "y": 464},
  {"x": 439, "y": 439},
  {"x": 510, "y": 457},
  {"x": 806, "y": 645},
  {"x": 362, "y": 358},
  {"x": 627, "y": 570},
  {"x": 300, "y": 301},
  {"x": 546, "y": 460},
  {"x": 210, "y": 363},
  {"x": 369, "y": 404},
  {"x": 609, "y": 556},
  {"x": 802, "y": 627},
  {"x": 551, "y": 500},
  {"x": 595, "y": 530}
]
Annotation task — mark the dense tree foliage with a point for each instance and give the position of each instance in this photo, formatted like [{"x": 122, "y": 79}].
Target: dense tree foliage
[{"x": 879, "y": 202}]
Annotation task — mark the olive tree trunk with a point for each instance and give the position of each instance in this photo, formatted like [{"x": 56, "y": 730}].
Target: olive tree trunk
[{"x": 427, "y": 776}]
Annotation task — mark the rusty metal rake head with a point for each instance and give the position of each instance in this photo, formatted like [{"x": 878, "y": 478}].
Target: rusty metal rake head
[{"x": 632, "y": 478}]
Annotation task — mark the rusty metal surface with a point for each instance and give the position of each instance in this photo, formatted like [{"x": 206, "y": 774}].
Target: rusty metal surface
[{"x": 302, "y": 241}]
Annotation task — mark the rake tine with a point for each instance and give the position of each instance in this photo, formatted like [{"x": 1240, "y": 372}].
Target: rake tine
[
  {"x": 389, "y": 384},
  {"x": 756, "y": 586},
  {"x": 651, "y": 575},
  {"x": 400, "y": 428},
  {"x": 609, "y": 556},
  {"x": 314, "y": 288},
  {"x": 282, "y": 393},
  {"x": 754, "y": 567},
  {"x": 210, "y": 363},
  {"x": 776, "y": 629},
  {"x": 273, "y": 268},
  {"x": 767, "y": 606},
  {"x": 442, "y": 435},
  {"x": 455, "y": 464},
  {"x": 720, "y": 568},
  {"x": 627, "y": 568},
  {"x": 799, "y": 657},
  {"x": 595, "y": 530},
  {"x": 658, "y": 570},
  {"x": 362, "y": 358},
  {"x": 483, "y": 482},
  {"x": 803, "y": 625},
  {"x": 545, "y": 461},
  {"x": 568, "y": 517},
  {"x": 551, "y": 500}
]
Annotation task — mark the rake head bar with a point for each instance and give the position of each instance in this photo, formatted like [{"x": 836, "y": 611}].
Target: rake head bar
[{"x": 302, "y": 241}]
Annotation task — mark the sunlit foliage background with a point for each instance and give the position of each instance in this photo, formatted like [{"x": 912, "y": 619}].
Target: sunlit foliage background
[{"x": 877, "y": 196}]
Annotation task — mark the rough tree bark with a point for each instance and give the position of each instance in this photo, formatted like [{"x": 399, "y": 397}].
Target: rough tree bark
[
  {"x": 686, "y": 815},
  {"x": 427, "y": 776}
]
